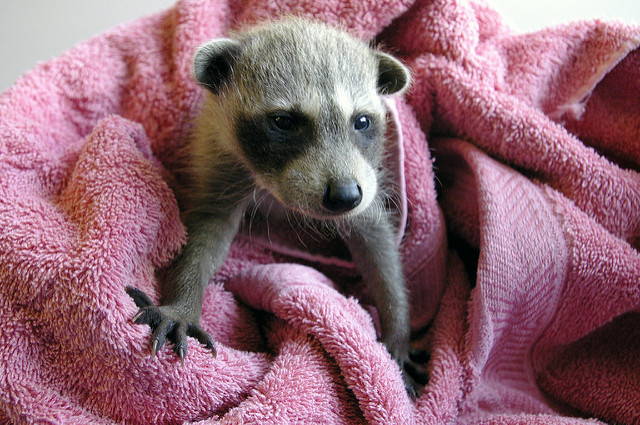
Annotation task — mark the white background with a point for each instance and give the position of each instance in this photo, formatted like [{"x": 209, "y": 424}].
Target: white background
[{"x": 36, "y": 30}]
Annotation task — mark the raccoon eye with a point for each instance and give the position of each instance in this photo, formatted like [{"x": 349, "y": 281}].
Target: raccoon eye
[
  {"x": 361, "y": 123},
  {"x": 283, "y": 122}
]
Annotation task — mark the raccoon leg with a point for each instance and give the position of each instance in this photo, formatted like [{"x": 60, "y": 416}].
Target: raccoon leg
[
  {"x": 375, "y": 254},
  {"x": 210, "y": 235}
]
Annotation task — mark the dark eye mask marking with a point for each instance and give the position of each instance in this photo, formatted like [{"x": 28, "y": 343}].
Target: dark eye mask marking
[{"x": 271, "y": 141}]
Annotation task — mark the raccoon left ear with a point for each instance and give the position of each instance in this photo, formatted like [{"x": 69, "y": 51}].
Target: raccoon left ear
[
  {"x": 393, "y": 76},
  {"x": 214, "y": 62}
]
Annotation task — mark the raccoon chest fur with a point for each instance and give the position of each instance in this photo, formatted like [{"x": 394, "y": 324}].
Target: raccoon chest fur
[{"x": 268, "y": 222}]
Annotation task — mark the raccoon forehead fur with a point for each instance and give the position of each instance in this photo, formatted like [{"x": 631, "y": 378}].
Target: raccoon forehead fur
[
  {"x": 317, "y": 78},
  {"x": 301, "y": 54}
]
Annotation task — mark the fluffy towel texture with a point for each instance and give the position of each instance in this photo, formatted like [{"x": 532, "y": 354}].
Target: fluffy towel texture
[{"x": 534, "y": 306}]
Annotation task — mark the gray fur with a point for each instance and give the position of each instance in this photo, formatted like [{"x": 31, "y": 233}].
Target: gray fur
[{"x": 322, "y": 80}]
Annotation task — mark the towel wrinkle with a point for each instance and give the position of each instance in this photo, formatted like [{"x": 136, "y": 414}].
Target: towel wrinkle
[{"x": 516, "y": 158}]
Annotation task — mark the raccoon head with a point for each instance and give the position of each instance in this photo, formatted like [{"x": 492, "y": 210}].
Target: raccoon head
[{"x": 304, "y": 111}]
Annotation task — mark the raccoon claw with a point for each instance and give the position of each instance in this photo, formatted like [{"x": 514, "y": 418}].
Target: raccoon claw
[
  {"x": 137, "y": 316},
  {"x": 168, "y": 324},
  {"x": 181, "y": 356},
  {"x": 414, "y": 372},
  {"x": 154, "y": 348}
]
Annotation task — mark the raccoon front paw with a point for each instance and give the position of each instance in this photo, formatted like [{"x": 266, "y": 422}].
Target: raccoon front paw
[
  {"x": 168, "y": 323},
  {"x": 414, "y": 371}
]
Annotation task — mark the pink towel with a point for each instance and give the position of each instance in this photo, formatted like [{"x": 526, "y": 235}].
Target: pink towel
[{"x": 531, "y": 313}]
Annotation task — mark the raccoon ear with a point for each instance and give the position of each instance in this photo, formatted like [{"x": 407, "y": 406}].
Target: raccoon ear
[
  {"x": 393, "y": 76},
  {"x": 213, "y": 63}
]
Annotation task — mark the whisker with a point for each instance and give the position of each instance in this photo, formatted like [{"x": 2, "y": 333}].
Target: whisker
[
  {"x": 294, "y": 227},
  {"x": 267, "y": 219},
  {"x": 256, "y": 204}
]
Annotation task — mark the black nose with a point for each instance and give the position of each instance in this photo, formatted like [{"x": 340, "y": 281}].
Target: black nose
[{"x": 342, "y": 195}]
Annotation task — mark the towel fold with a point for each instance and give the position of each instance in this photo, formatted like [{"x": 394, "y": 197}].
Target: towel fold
[{"x": 516, "y": 157}]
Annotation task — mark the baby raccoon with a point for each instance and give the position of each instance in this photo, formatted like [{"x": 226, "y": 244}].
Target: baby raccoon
[{"x": 294, "y": 108}]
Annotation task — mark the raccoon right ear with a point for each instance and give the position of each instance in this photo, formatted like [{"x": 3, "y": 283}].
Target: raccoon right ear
[
  {"x": 213, "y": 63},
  {"x": 393, "y": 76}
]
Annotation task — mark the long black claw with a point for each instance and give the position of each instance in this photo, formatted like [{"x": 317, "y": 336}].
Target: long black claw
[
  {"x": 137, "y": 316},
  {"x": 181, "y": 356},
  {"x": 159, "y": 335},
  {"x": 154, "y": 348},
  {"x": 212, "y": 347},
  {"x": 203, "y": 337}
]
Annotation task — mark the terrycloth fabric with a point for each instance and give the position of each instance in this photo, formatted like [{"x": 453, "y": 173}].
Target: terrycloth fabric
[{"x": 534, "y": 306}]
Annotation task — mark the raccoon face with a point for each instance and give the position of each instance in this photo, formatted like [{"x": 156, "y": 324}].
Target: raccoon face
[
  {"x": 320, "y": 165},
  {"x": 305, "y": 108}
]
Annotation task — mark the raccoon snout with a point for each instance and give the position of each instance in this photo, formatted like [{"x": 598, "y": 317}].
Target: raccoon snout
[{"x": 342, "y": 195}]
